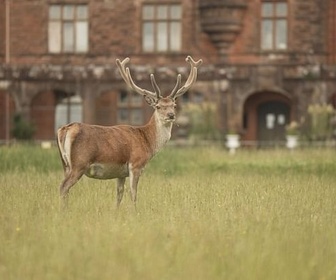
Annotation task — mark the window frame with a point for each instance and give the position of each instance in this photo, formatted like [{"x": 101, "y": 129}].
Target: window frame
[
  {"x": 68, "y": 109},
  {"x": 193, "y": 97},
  {"x": 274, "y": 20},
  {"x": 62, "y": 20},
  {"x": 130, "y": 103},
  {"x": 165, "y": 22}
]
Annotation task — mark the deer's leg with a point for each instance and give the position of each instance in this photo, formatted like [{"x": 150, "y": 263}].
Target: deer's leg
[
  {"x": 70, "y": 179},
  {"x": 120, "y": 190},
  {"x": 66, "y": 168},
  {"x": 134, "y": 179}
]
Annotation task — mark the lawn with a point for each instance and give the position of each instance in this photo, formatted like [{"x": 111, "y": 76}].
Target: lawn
[{"x": 202, "y": 214}]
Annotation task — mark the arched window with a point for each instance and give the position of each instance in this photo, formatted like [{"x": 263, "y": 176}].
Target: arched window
[
  {"x": 130, "y": 108},
  {"x": 70, "y": 109}
]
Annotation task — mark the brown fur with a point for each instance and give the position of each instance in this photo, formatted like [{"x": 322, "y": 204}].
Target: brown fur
[
  {"x": 107, "y": 152},
  {"x": 121, "y": 151}
]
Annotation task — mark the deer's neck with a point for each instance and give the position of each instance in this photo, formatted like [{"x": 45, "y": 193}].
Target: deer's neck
[{"x": 162, "y": 132}]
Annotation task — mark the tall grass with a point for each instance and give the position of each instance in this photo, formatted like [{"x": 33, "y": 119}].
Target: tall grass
[{"x": 202, "y": 214}]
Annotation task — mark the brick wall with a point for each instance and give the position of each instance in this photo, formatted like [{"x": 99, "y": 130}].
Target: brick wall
[
  {"x": 308, "y": 26},
  {"x": 113, "y": 34},
  {"x": 115, "y": 31},
  {"x": 3, "y": 113},
  {"x": 28, "y": 31}
]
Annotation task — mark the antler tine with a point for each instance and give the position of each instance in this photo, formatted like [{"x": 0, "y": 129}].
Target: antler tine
[
  {"x": 155, "y": 86},
  {"x": 137, "y": 88},
  {"x": 188, "y": 84},
  {"x": 177, "y": 86},
  {"x": 126, "y": 75},
  {"x": 121, "y": 67},
  {"x": 191, "y": 79},
  {"x": 193, "y": 62}
]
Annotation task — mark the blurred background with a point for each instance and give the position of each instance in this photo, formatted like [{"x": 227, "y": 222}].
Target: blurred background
[{"x": 269, "y": 66}]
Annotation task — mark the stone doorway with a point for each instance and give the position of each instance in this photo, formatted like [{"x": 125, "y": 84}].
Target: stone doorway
[
  {"x": 265, "y": 116},
  {"x": 273, "y": 116}
]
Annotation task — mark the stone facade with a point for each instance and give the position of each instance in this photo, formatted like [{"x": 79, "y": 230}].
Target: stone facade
[{"x": 245, "y": 82}]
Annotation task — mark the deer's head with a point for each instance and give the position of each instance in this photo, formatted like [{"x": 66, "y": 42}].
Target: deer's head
[{"x": 164, "y": 106}]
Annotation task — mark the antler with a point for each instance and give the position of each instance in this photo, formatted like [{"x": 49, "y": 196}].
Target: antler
[
  {"x": 156, "y": 94},
  {"x": 177, "y": 91},
  {"x": 126, "y": 75}
]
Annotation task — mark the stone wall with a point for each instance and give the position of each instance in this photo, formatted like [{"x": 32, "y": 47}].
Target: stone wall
[{"x": 37, "y": 76}]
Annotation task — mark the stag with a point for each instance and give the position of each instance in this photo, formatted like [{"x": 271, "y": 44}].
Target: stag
[{"x": 120, "y": 151}]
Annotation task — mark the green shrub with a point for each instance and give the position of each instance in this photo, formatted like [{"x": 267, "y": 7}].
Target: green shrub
[
  {"x": 319, "y": 122},
  {"x": 202, "y": 118},
  {"x": 22, "y": 130}
]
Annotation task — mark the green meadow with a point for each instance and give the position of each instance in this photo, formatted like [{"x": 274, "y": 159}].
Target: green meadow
[{"x": 201, "y": 214}]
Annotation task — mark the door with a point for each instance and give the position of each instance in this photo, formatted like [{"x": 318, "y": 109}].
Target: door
[{"x": 273, "y": 116}]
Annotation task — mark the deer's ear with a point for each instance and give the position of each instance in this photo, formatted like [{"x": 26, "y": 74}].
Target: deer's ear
[{"x": 152, "y": 101}]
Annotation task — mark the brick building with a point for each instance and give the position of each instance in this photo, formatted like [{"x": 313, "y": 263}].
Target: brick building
[{"x": 265, "y": 61}]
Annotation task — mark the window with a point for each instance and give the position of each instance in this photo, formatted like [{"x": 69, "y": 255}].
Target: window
[
  {"x": 68, "y": 29},
  {"x": 194, "y": 97},
  {"x": 130, "y": 109},
  {"x": 161, "y": 28},
  {"x": 69, "y": 110},
  {"x": 274, "y": 25}
]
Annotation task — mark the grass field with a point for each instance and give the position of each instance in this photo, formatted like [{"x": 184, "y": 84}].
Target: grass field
[{"x": 202, "y": 214}]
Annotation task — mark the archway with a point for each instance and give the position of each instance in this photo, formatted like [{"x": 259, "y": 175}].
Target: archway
[
  {"x": 272, "y": 119},
  {"x": 265, "y": 116}
]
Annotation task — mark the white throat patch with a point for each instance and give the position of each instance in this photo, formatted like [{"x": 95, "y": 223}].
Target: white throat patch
[{"x": 163, "y": 132}]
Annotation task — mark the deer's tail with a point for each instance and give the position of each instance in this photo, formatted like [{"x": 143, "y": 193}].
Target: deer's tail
[{"x": 63, "y": 144}]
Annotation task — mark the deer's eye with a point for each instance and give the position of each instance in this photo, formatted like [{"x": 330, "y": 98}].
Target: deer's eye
[{"x": 157, "y": 107}]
